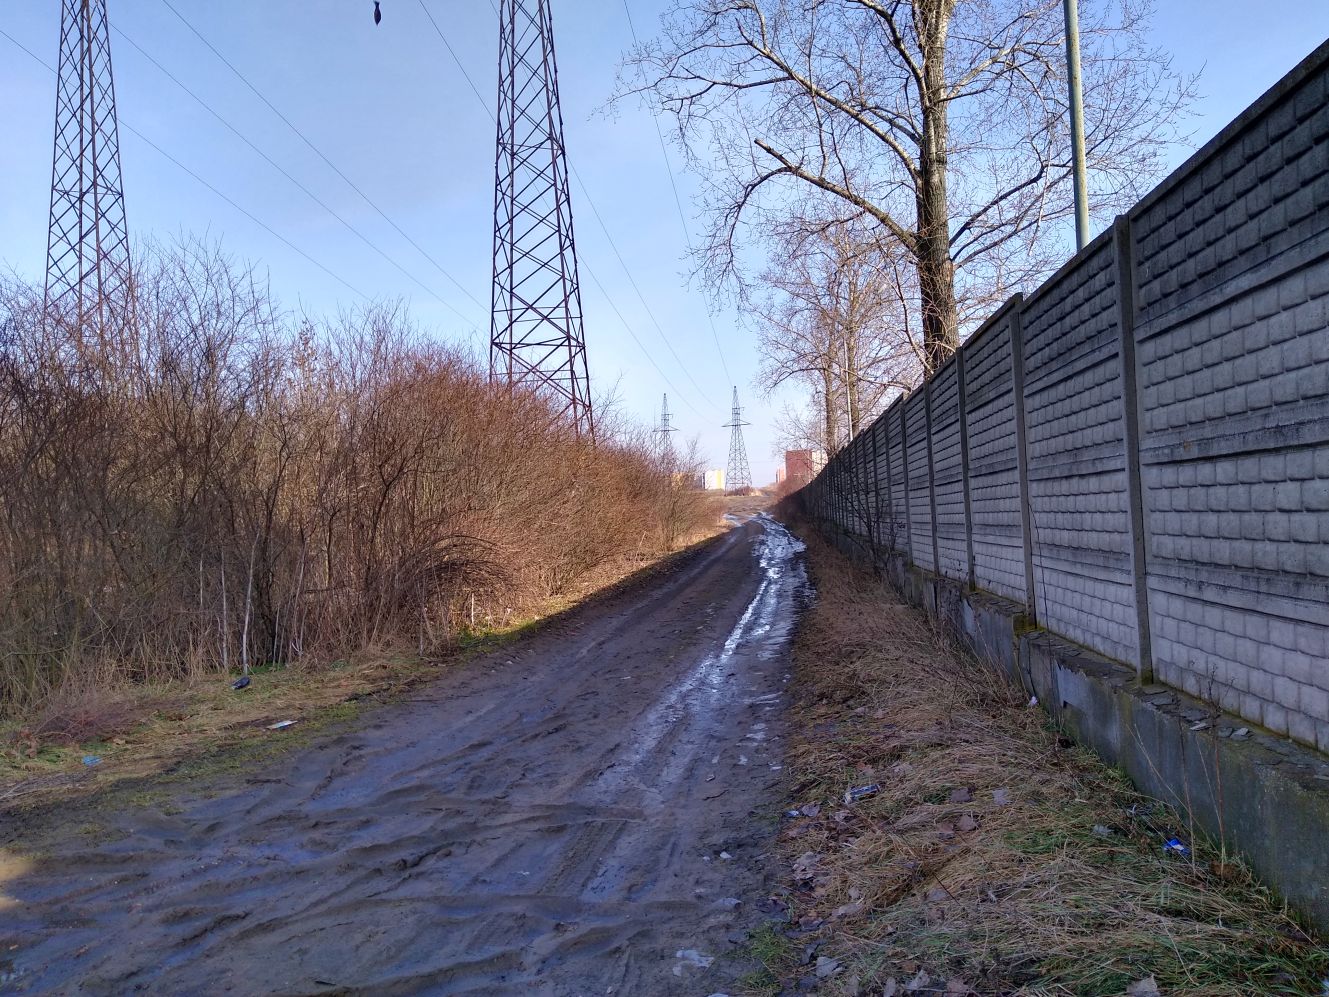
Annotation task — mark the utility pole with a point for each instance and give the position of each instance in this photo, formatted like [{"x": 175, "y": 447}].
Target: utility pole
[
  {"x": 87, "y": 244},
  {"x": 738, "y": 475},
  {"x": 536, "y": 337},
  {"x": 1072, "y": 13}
]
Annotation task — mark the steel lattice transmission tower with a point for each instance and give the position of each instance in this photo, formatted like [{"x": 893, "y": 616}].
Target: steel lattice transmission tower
[
  {"x": 738, "y": 475},
  {"x": 666, "y": 431},
  {"x": 536, "y": 334},
  {"x": 87, "y": 248}
]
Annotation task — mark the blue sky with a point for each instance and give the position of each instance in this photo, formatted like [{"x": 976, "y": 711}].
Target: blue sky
[{"x": 391, "y": 109}]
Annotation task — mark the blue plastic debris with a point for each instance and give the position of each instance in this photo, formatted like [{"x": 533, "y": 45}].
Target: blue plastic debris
[
  {"x": 240, "y": 683},
  {"x": 91, "y": 760},
  {"x": 860, "y": 793},
  {"x": 1175, "y": 845}
]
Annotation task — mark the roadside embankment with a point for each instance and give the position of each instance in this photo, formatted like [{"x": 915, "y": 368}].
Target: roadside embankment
[{"x": 995, "y": 855}]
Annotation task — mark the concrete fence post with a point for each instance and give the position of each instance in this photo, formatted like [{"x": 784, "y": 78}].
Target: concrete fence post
[
  {"x": 1022, "y": 453},
  {"x": 932, "y": 476},
  {"x": 971, "y": 574},
  {"x": 1123, "y": 243},
  {"x": 890, "y": 494},
  {"x": 908, "y": 510}
]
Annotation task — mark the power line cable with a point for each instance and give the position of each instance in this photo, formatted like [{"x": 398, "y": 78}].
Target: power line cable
[
  {"x": 248, "y": 214},
  {"x": 678, "y": 203},
  {"x": 318, "y": 152},
  {"x": 278, "y": 167}
]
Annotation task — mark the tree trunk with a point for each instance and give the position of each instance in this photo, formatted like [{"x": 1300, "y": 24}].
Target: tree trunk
[
  {"x": 831, "y": 423},
  {"x": 932, "y": 250}
]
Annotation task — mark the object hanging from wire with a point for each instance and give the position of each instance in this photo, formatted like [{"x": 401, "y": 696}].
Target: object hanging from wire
[{"x": 378, "y": 14}]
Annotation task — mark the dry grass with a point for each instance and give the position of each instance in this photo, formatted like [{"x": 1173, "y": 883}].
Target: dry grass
[
  {"x": 997, "y": 858},
  {"x": 140, "y": 730}
]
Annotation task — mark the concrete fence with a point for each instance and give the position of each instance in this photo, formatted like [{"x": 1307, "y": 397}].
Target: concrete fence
[{"x": 1137, "y": 454}]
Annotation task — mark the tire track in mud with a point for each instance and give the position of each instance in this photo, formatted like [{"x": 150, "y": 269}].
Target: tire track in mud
[{"x": 549, "y": 820}]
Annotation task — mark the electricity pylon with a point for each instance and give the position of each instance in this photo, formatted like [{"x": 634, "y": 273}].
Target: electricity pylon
[
  {"x": 536, "y": 336},
  {"x": 87, "y": 247},
  {"x": 738, "y": 475},
  {"x": 666, "y": 431}
]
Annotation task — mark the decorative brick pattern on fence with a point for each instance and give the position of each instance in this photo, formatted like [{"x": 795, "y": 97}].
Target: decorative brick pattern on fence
[{"x": 1199, "y": 551}]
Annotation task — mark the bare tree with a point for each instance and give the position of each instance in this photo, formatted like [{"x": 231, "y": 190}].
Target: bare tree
[
  {"x": 837, "y": 317},
  {"x": 943, "y": 122}
]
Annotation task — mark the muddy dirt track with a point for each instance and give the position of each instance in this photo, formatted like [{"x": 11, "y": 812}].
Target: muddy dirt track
[{"x": 548, "y": 820}]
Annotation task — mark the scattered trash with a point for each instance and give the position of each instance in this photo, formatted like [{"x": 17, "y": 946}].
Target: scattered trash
[
  {"x": 1175, "y": 845},
  {"x": 957, "y": 986},
  {"x": 1001, "y": 797},
  {"x": 693, "y": 958},
  {"x": 730, "y": 902},
  {"x": 1201, "y": 725},
  {"x": 1241, "y": 732},
  {"x": 811, "y": 809},
  {"x": 726, "y": 856},
  {"x": 892, "y": 988},
  {"x": 857, "y": 793},
  {"x": 776, "y": 768},
  {"x": 967, "y": 824},
  {"x": 937, "y": 894},
  {"x": 742, "y": 759},
  {"x": 793, "y": 813},
  {"x": 1148, "y": 987},
  {"x": 962, "y": 795},
  {"x": 1033, "y": 701},
  {"x": 241, "y": 683},
  {"x": 91, "y": 760},
  {"x": 827, "y": 967},
  {"x": 280, "y": 724},
  {"x": 1102, "y": 830}
]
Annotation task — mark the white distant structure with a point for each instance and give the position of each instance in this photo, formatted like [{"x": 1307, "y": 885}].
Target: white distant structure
[{"x": 713, "y": 480}]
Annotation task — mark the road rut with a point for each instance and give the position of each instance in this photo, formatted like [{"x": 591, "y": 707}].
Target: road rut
[{"x": 587, "y": 812}]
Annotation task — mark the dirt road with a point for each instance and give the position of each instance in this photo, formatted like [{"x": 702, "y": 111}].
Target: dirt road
[{"x": 584, "y": 813}]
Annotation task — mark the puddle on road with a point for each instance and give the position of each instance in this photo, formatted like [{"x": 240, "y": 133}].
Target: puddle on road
[{"x": 704, "y": 696}]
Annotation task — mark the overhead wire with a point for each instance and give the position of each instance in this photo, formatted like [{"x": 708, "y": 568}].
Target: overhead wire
[
  {"x": 244, "y": 211},
  {"x": 603, "y": 227},
  {"x": 678, "y": 203},
  {"x": 280, "y": 169},
  {"x": 321, "y": 155}
]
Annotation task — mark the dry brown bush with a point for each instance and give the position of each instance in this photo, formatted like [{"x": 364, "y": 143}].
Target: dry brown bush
[{"x": 224, "y": 484}]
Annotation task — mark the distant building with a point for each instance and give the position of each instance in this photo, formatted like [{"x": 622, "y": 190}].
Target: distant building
[
  {"x": 713, "y": 480},
  {"x": 780, "y": 475},
  {"x": 801, "y": 466}
]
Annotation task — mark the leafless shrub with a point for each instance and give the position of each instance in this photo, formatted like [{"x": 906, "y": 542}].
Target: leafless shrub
[{"x": 223, "y": 484}]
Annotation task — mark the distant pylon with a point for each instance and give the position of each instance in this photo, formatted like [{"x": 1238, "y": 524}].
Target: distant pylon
[
  {"x": 666, "y": 430},
  {"x": 738, "y": 475},
  {"x": 87, "y": 246},
  {"x": 536, "y": 335}
]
